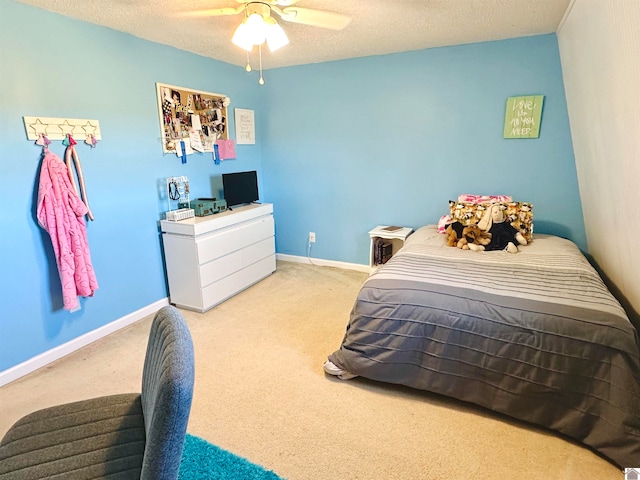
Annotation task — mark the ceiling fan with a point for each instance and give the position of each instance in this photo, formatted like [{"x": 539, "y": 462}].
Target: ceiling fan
[
  {"x": 284, "y": 9},
  {"x": 259, "y": 26}
]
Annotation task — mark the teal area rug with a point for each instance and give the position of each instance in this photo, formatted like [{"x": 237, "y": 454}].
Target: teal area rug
[{"x": 202, "y": 460}]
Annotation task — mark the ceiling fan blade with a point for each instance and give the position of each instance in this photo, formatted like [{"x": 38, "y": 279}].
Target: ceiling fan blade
[
  {"x": 315, "y": 18},
  {"x": 212, "y": 12},
  {"x": 285, "y": 3},
  {"x": 280, "y": 3}
]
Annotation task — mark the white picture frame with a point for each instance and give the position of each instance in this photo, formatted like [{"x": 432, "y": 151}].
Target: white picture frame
[{"x": 245, "y": 126}]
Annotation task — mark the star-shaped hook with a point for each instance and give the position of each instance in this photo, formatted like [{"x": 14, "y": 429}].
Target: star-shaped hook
[
  {"x": 89, "y": 129},
  {"x": 66, "y": 127},
  {"x": 39, "y": 128}
]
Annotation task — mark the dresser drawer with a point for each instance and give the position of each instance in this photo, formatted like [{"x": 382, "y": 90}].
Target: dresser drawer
[
  {"x": 218, "y": 244},
  {"x": 226, "y": 265},
  {"x": 219, "y": 291}
]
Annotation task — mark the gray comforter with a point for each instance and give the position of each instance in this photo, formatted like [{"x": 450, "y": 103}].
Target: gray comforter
[{"x": 535, "y": 335}]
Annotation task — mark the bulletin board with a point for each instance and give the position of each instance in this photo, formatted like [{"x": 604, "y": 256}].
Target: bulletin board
[{"x": 191, "y": 115}]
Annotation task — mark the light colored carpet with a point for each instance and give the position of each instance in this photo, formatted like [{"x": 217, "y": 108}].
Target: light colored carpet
[{"x": 261, "y": 393}]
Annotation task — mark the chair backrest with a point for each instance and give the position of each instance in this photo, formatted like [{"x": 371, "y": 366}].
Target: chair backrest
[{"x": 167, "y": 390}]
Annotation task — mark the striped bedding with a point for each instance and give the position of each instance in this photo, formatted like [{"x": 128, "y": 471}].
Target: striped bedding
[{"x": 535, "y": 335}]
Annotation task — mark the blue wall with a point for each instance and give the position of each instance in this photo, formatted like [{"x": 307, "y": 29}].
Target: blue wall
[
  {"x": 390, "y": 139},
  {"x": 341, "y": 147},
  {"x": 53, "y": 66}
]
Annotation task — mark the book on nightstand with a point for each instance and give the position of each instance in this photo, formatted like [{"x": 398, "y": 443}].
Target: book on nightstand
[
  {"x": 381, "y": 252},
  {"x": 391, "y": 228}
]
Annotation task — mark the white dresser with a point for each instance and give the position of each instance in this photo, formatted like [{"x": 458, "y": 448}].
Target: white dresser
[{"x": 210, "y": 259}]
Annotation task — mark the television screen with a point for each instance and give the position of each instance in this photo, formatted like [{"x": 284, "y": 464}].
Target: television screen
[{"x": 240, "y": 187}]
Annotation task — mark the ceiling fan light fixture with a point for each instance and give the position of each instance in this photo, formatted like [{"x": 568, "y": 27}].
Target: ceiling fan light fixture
[
  {"x": 276, "y": 37},
  {"x": 256, "y": 28},
  {"x": 242, "y": 37}
]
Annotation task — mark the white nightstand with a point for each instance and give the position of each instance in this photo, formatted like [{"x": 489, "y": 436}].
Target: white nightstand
[{"x": 396, "y": 238}]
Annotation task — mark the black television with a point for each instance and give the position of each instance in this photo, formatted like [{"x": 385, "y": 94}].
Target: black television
[{"x": 240, "y": 187}]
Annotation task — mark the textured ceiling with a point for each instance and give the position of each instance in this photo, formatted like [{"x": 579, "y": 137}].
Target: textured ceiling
[{"x": 377, "y": 27}]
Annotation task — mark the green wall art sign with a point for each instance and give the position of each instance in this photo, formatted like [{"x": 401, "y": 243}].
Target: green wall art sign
[{"x": 522, "y": 117}]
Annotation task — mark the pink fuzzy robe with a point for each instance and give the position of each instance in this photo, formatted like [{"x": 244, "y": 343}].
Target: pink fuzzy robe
[{"x": 60, "y": 212}]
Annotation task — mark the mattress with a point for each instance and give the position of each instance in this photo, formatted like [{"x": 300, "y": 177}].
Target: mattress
[{"x": 535, "y": 335}]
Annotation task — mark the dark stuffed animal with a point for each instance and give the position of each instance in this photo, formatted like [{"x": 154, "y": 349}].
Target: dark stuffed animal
[
  {"x": 454, "y": 233},
  {"x": 462, "y": 237},
  {"x": 503, "y": 237},
  {"x": 474, "y": 235}
]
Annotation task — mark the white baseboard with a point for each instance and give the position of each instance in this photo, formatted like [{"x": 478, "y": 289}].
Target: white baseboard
[
  {"x": 60, "y": 351},
  {"x": 323, "y": 263}
]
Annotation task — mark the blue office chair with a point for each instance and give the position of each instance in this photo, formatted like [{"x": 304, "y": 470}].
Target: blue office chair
[{"x": 122, "y": 436}]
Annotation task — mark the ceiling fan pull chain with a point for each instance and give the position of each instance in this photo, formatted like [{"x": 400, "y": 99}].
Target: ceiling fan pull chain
[
  {"x": 248, "y": 67},
  {"x": 261, "y": 81}
]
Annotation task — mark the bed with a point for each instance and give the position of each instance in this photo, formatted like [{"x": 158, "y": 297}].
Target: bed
[{"x": 535, "y": 335}]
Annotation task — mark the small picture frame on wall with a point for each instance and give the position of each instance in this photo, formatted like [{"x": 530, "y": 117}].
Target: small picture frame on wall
[
  {"x": 245, "y": 127},
  {"x": 523, "y": 116},
  {"x": 185, "y": 112}
]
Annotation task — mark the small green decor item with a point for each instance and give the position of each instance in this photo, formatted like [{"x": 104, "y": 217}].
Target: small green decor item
[{"x": 522, "y": 117}]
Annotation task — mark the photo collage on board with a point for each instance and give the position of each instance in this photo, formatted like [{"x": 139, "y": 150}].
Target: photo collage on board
[{"x": 186, "y": 114}]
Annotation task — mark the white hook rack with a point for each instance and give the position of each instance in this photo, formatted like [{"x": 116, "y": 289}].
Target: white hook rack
[{"x": 59, "y": 128}]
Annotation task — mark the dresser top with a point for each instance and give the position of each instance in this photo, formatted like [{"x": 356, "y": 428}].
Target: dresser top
[{"x": 201, "y": 225}]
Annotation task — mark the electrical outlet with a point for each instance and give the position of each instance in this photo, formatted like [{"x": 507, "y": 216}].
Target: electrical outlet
[{"x": 312, "y": 237}]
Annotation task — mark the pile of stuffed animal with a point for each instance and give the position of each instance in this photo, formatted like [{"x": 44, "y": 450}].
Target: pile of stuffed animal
[{"x": 492, "y": 232}]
